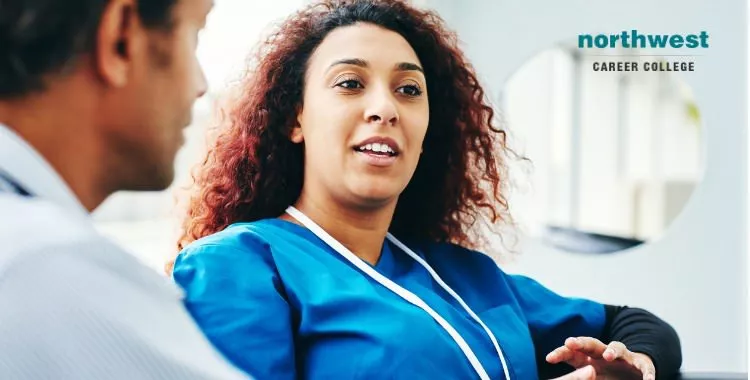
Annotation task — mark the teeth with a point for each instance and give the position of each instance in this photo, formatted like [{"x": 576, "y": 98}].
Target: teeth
[{"x": 377, "y": 147}]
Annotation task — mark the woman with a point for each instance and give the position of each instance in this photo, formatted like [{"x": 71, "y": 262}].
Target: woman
[{"x": 366, "y": 119}]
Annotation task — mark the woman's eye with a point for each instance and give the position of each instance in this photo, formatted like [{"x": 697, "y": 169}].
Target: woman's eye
[
  {"x": 410, "y": 90},
  {"x": 350, "y": 84}
]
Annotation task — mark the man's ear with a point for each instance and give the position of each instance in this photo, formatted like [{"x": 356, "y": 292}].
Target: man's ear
[{"x": 119, "y": 35}]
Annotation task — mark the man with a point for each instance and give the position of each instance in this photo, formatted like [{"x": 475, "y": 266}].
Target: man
[{"x": 94, "y": 95}]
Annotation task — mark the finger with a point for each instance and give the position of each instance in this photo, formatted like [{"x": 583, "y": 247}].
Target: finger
[
  {"x": 590, "y": 346},
  {"x": 646, "y": 368},
  {"x": 559, "y": 354},
  {"x": 585, "y": 373},
  {"x": 563, "y": 354},
  {"x": 615, "y": 350}
]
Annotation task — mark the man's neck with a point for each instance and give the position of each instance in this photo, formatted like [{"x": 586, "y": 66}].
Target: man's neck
[
  {"x": 57, "y": 127},
  {"x": 361, "y": 230}
]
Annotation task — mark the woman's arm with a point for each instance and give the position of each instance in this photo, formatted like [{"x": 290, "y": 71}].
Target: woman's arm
[
  {"x": 642, "y": 331},
  {"x": 553, "y": 318}
]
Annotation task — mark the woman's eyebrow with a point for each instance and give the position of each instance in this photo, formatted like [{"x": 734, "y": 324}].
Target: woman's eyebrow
[
  {"x": 401, "y": 66},
  {"x": 407, "y": 66},
  {"x": 349, "y": 61}
]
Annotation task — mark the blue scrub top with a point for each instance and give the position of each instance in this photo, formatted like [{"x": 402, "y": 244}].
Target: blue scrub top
[{"x": 281, "y": 304}]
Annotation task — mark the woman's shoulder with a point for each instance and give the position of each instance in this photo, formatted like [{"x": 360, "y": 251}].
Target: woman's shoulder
[
  {"x": 245, "y": 235},
  {"x": 239, "y": 242},
  {"x": 231, "y": 267}
]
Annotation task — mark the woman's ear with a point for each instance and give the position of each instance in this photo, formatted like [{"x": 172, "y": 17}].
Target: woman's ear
[{"x": 296, "y": 136}]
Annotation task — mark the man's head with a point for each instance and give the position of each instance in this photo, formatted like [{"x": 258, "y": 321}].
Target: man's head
[{"x": 134, "y": 66}]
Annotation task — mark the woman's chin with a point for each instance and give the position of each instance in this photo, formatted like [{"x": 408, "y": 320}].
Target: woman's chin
[{"x": 375, "y": 195}]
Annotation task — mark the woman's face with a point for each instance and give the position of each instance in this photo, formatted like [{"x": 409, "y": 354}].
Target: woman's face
[{"x": 364, "y": 116}]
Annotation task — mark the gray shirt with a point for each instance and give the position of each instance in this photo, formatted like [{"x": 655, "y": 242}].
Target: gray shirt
[{"x": 75, "y": 306}]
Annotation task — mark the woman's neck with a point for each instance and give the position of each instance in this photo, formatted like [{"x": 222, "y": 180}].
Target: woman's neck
[{"x": 361, "y": 230}]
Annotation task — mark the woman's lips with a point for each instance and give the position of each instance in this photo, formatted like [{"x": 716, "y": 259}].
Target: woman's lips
[{"x": 375, "y": 159}]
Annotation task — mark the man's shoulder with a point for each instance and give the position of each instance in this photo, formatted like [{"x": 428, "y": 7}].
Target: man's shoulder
[
  {"x": 43, "y": 236},
  {"x": 31, "y": 223},
  {"x": 78, "y": 306}
]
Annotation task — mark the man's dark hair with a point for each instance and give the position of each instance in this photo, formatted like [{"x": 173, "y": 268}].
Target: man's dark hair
[{"x": 43, "y": 37}]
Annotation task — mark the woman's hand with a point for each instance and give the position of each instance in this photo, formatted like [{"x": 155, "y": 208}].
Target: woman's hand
[{"x": 613, "y": 361}]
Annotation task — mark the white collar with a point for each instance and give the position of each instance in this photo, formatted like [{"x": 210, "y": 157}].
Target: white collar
[{"x": 26, "y": 166}]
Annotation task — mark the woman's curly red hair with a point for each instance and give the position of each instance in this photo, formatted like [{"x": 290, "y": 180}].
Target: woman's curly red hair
[{"x": 253, "y": 171}]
